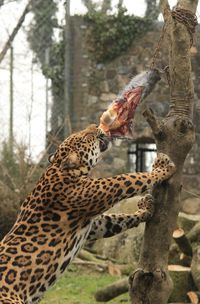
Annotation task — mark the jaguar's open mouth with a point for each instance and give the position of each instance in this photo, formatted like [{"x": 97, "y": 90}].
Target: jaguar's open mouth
[{"x": 104, "y": 143}]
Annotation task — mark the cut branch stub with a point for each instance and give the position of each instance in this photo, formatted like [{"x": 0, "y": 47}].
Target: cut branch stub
[
  {"x": 183, "y": 282},
  {"x": 194, "y": 297},
  {"x": 182, "y": 242}
]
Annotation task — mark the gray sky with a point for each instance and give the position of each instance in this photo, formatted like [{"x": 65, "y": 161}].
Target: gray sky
[{"x": 136, "y": 7}]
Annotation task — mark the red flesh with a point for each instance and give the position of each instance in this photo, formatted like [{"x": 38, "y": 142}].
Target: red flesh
[{"x": 123, "y": 109}]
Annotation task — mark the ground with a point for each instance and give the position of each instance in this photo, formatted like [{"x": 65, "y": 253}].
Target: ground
[{"x": 78, "y": 287}]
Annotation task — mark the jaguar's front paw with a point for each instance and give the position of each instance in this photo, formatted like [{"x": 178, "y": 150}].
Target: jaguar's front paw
[
  {"x": 146, "y": 206},
  {"x": 164, "y": 163}
]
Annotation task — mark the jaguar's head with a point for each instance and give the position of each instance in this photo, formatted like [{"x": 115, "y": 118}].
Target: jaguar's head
[{"x": 82, "y": 149}]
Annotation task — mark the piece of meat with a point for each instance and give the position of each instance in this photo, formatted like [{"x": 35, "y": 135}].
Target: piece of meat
[{"x": 116, "y": 121}]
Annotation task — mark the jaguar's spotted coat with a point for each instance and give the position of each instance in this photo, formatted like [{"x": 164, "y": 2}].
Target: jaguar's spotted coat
[{"x": 66, "y": 208}]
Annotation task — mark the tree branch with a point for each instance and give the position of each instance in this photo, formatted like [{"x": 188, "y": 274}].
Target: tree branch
[
  {"x": 15, "y": 31},
  {"x": 165, "y": 9},
  {"x": 154, "y": 123}
]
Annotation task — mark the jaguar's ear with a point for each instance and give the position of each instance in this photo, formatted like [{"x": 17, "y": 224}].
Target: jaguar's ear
[{"x": 71, "y": 161}]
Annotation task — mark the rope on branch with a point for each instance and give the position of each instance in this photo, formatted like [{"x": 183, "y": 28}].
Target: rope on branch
[
  {"x": 187, "y": 18},
  {"x": 180, "y": 15}
]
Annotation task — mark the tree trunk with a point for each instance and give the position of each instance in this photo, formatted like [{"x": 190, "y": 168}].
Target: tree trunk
[
  {"x": 67, "y": 71},
  {"x": 152, "y": 9},
  {"x": 106, "y": 5},
  {"x": 91, "y": 7},
  {"x": 174, "y": 135}
]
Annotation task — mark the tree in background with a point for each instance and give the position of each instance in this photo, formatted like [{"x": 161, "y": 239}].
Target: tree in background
[
  {"x": 102, "y": 6},
  {"x": 17, "y": 178},
  {"x": 50, "y": 54},
  {"x": 152, "y": 9},
  {"x": 41, "y": 33},
  {"x": 90, "y": 5}
]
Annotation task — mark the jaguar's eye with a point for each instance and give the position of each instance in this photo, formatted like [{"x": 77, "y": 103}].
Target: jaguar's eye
[{"x": 101, "y": 135}]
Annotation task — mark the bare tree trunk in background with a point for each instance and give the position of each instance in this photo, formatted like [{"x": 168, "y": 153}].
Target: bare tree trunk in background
[
  {"x": 11, "y": 102},
  {"x": 90, "y": 5},
  {"x": 120, "y": 2},
  {"x": 174, "y": 135},
  {"x": 152, "y": 9},
  {"x": 67, "y": 71},
  {"x": 106, "y": 5},
  {"x": 15, "y": 31}
]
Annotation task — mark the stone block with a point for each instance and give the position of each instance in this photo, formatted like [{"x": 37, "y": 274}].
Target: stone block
[
  {"x": 108, "y": 96},
  {"x": 111, "y": 73},
  {"x": 113, "y": 85},
  {"x": 119, "y": 163},
  {"x": 104, "y": 87},
  {"x": 122, "y": 81},
  {"x": 92, "y": 99},
  {"x": 123, "y": 70}
]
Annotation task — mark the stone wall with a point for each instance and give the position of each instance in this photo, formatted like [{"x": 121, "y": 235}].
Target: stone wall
[{"x": 96, "y": 85}]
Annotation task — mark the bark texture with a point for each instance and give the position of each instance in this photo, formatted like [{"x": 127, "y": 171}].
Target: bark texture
[{"x": 174, "y": 135}]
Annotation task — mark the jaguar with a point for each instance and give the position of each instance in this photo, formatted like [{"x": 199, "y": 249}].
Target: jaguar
[{"x": 65, "y": 209}]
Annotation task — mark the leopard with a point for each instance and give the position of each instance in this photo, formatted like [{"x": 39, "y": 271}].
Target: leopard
[{"x": 66, "y": 208}]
